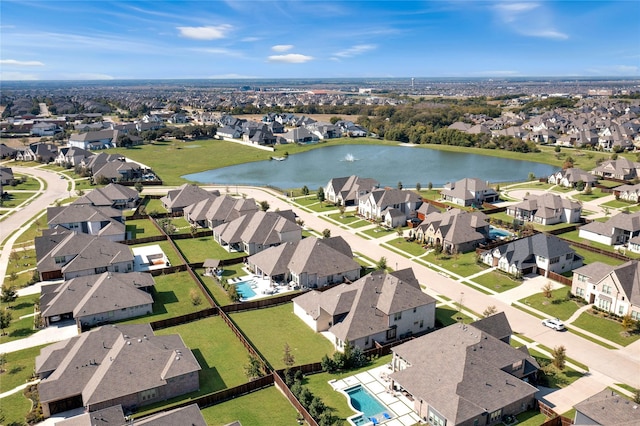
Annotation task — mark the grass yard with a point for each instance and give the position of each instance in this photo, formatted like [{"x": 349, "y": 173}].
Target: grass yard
[
  {"x": 15, "y": 408},
  {"x": 464, "y": 265},
  {"x": 20, "y": 328},
  {"x": 35, "y": 230},
  {"x": 590, "y": 257},
  {"x": 556, "y": 378},
  {"x": 410, "y": 247},
  {"x": 497, "y": 281},
  {"x": 319, "y": 385},
  {"x": 16, "y": 198},
  {"x": 595, "y": 194},
  {"x": 19, "y": 366},
  {"x": 215, "y": 290},
  {"x": 379, "y": 232},
  {"x": 30, "y": 184},
  {"x": 218, "y": 351},
  {"x": 264, "y": 407},
  {"x": 152, "y": 205},
  {"x": 556, "y": 307},
  {"x": 269, "y": 329},
  {"x": 181, "y": 224},
  {"x": 141, "y": 228},
  {"x": 348, "y": 218},
  {"x": 531, "y": 418},
  {"x": 606, "y": 328},
  {"x": 617, "y": 204},
  {"x": 26, "y": 260},
  {"x": 446, "y": 315},
  {"x": 199, "y": 249},
  {"x": 431, "y": 194},
  {"x": 172, "y": 298}
]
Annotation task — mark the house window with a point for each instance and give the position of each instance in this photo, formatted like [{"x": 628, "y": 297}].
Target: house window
[
  {"x": 414, "y": 310},
  {"x": 391, "y": 333},
  {"x": 635, "y": 315},
  {"x": 569, "y": 256},
  {"x": 580, "y": 292},
  {"x": 421, "y": 323},
  {"x": 606, "y": 289},
  {"x": 129, "y": 267},
  {"x": 582, "y": 278},
  {"x": 397, "y": 316},
  {"x": 495, "y": 416},
  {"x": 604, "y": 304},
  {"x": 621, "y": 310},
  {"x": 366, "y": 340},
  {"x": 555, "y": 260},
  {"x": 147, "y": 395},
  {"x": 59, "y": 259},
  {"x": 116, "y": 268},
  {"x": 435, "y": 419}
]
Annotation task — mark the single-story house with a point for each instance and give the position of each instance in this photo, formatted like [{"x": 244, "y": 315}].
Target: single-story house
[
  {"x": 6, "y": 175},
  {"x": 113, "y": 195},
  {"x": 620, "y": 168},
  {"x": 124, "y": 364},
  {"x": 606, "y": 408},
  {"x": 187, "y": 194},
  {"x": 618, "y": 230},
  {"x": 377, "y": 308},
  {"x": 95, "y": 299},
  {"x": 629, "y": 193},
  {"x": 188, "y": 415},
  {"x": 214, "y": 211}
]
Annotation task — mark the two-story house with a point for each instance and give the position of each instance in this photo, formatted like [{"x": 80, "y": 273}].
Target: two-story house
[
  {"x": 397, "y": 204},
  {"x": 546, "y": 209},
  {"x": 469, "y": 192},
  {"x": 347, "y": 190}
]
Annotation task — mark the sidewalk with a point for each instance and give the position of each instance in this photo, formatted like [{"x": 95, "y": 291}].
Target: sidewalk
[{"x": 51, "y": 334}]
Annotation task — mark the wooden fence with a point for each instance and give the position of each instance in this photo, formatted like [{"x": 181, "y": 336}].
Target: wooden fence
[
  {"x": 143, "y": 240},
  {"x": 587, "y": 247},
  {"x": 182, "y": 319},
  {"x": 280, "y": 384}
]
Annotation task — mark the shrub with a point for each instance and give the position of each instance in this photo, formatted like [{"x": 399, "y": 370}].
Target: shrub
[{"x": 196, "y": 298}]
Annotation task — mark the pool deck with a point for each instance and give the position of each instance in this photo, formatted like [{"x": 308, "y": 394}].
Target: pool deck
[
  {"x": 263, "y": 287},
  {"x": 376, "y": 383},
  {"x": 140, "y": 261}
]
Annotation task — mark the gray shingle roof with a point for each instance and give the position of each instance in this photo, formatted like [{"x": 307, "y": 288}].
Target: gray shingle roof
[{"x": 609, "y": 408}]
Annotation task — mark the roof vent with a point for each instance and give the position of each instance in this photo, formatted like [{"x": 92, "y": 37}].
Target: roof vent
[{"x": 128, "y": 342}]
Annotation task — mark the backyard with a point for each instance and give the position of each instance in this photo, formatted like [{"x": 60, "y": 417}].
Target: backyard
[
  {"x": 271, "y": 328},
  {"x": 198, "y": 249}
]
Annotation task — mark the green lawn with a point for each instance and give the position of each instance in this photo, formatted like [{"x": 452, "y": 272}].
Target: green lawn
[
  {"x": 269, "y": 329},
  {"x": 609, "y": 183},
  {"x": 590, "y": 257},
  {"x": 31, "y": 184},
  {"x": 464, "y": 264},
  {"x": 497, "y": 281},
  {"x": 19, "y": 366},
  {"x": 35, "y": 230},
  {"x": 181, "y": 224},
  {"x": 379, "y": 232},
  {"x": 141, "y": 228},
  {"x": 431, "y": 194},
  {"x": 557, "y": 307},
  {"x": 15, "y": 408},
  {"x": 446, "y": 315},
  {"x": 618, "y": 204},
  {"x": 154, "y": 205},
  {"x": 411, "y": 247},
  {"x": 218, "y": 351},
  {"x": 555, "y": 377},
  {"x": 595, "y": 194},
  {"x": 264, "y": 407},
  {"x": 319, "y": 385},
  {"x": 168, "y": 250},
  {"x": 347, "y": 219},
  {"x": 20, "y": 328},
  {"x": 26, "y": 261},
  {"x": 16, "y": 198},
  {"x": 218, "y": 293},
  {"x": 606, "y": 328},
  {"x": 172, "y": 297},
  {"x": 199, "y": 249}
]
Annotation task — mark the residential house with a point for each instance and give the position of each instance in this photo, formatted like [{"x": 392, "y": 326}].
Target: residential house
[
  {"x": 97, "y": 299},
  {"x": 110, "y": 365},
  {"x": 72, "y": 156},
  {"x": 347, "y": 190},
  {"x": 618, "y": 230},
  {"x": 621, "y": 168},
  {"x": 44, "y": 128},
  {"x": 114, "y": 416},
  {"x": 308, "y": 263},
  {"x": 629, "y": 193},
  {"x": 185, "y": 195},
  {"x": 377, "y": 308},
  {"x": 546, "y": 209},
  {"x": 105, "y": 222},
  {"x": 463, "y": 375},
  {"x": 93, "y": 140},
  {"x": 64, "y": 254},
  {"x": 469, "y": 192},
  {"x": 113, "y": 195},
  {"x": 229, "y": 132},
  {"x": 7, "y": 151},
  {"x": 214, "y": 211},
  {"x": 457, "y": 231},
  {"x": 615, "y": 289},
  {"x": 6, "y": 175},
  {"x": 93, "y": 163},
  {"x": 572, "y": 177},
  {"x": 378, "y": 202},
  {"x": 606, "y": 408},
  {"x": 41, "y": 152},
  {"x": 300, "y": 135},
  {"x": 539, "y": 253},
  {"x": 117, "y": 171},
  {"x": 258, "y": 231}
]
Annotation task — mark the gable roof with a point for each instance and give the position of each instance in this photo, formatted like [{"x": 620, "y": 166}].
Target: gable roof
[
  {"x": 608, "y": 408},
  {"x": 108, "y": 195},
  {"x": 522, "y": 251},
  {"x": 186, "y": 195}
]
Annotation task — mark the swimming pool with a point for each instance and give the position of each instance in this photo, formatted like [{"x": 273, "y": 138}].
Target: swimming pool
[
  {"x": 496, "y": 233},
  {"x": 371, "y": 408},
  {"x": 244, "y": 289}
]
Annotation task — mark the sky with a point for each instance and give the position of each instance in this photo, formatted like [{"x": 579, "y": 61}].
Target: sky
[{"x": 102, "y": 40}]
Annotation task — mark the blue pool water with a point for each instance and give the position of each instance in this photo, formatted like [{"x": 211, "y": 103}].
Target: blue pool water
[
  {"x": 498, "y": 233},
  {"x": 244, "y": 289},
  {"x": 363, "y": 401}
]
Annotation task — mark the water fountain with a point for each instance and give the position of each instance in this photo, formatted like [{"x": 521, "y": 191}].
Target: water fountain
[{"x": 350, "y": 158}]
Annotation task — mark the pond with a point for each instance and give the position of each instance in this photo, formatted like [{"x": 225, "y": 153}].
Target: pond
[{"x": 387, "y": 164}]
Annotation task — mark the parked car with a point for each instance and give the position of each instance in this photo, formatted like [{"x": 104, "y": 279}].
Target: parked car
[{"x": 554, "y": 323}]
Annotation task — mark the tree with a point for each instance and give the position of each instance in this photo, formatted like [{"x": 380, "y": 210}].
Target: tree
[
  {"x": 334, "y": 119},
  {"x": 14, "y": 256},
  {"x": 253, "y": 369},
  {"x": 437, "y": 249},
  {"x": 138, "y": 186},
  {"x": 430, "y": 186},
  {"x": 305, "y": 190},
  {"x": 636, "y": 396},
  {"x": 5, "y": 320},
  {"x": 326, "y": 233},
  {"x": 264, "y": 206},
  {"x": 342, "y": 209},
  {"x": 13, "y": 276},
  {"x": 490, "y": 310},
  {"x": 233, "y": 294},
  {"x": 3, "y": 362},
  {"x": 382, "y": 264},
  {"x": 587, "y": 189},
  {"x": 196, "y": 298},
  {"x": 418, "y": 186},
  {"x": 531, "y": 176},
  {"x": 628, "y": 323},
  {"x": 321, "y": 196},
  {"x": 288, "y": 358},
  {"x": 8, "y": 294},
  {"x": 399, "y": 185},
  {"x": 547, "y": 290},
  {"x": 559, "y": 357}
]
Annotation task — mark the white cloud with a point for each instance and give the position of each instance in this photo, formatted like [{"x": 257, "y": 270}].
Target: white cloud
[
  {"x": 290, "y": 58},
  {"x": 219, "y": 51},
  {"x": 205, "y": 33},
  {"x": 518, "y": 18},
  {"x": 230, "y": 76},
  {"x": 88, "y": 76},
  {"x": 14, "y": 62},
  {"x": 545, "y": 34},
  {"x": 356, "y": 50},
  {"x": 282, "y": 47},
  {"x": 250, "y": 39}
]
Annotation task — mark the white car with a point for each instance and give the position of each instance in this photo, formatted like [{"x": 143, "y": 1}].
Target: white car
[{"x": 554, "y": 323}]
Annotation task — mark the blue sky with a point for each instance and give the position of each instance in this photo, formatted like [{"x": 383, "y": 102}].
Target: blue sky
[{"x": 71, "y": 40}]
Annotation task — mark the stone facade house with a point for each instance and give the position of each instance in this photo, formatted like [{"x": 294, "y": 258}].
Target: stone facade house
[
  {"x": 469, "y": 192},
  {"x": 455, "y": 230},
  {"x": 546, "y": 209},
  {"x": 377, "y": 203},
  {"x": 347, "y": 190}
]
